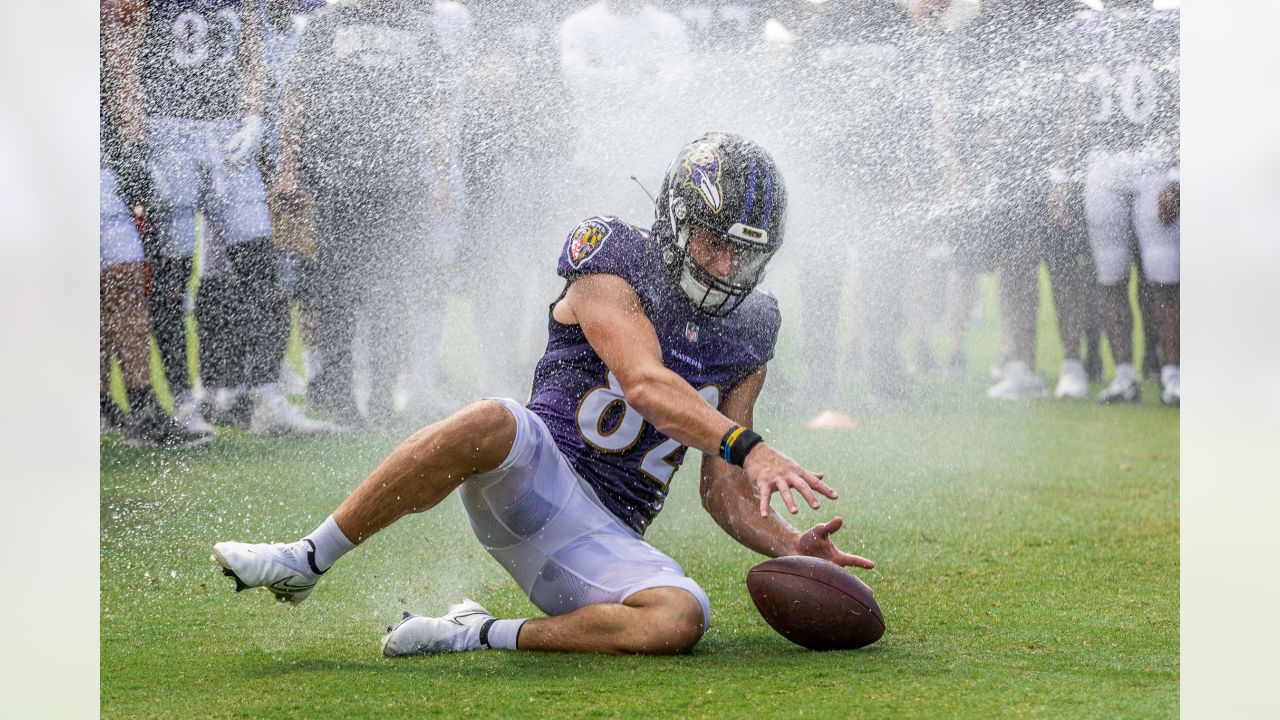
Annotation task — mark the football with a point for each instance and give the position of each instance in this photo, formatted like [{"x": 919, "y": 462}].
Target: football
[{"x": 815, "y": 603}]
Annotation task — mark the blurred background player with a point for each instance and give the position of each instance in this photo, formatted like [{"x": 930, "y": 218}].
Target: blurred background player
[
  {"x": 292, "y": 227},
  {"x": 424, "y": 387},
  {"x": 734, "y": 78},
  {"x": 1128, "y": 69},
  {"x": 202, "y": 83},
  {"x": 365, "y": 133},
  {"x": 868, "y": 150},
  {"x": 1008, "y": 102},
  {"x": 617, "y": 54},
  {"x": 124, "y": 323},
  {"x": 517, "y": 141}
]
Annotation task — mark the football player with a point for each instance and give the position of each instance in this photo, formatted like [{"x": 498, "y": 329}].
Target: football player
[
  {"x": 1128, "y": 92},
  {"x": 658, "y": 342},
  {"x": 293, "y": 228},
  {"x": 1013, "y": 100},
  {"x": 517, "y": 141},
  {"x": 125, "y": 325},
  {"x": 365, "y": 135},
  {"x": 872, "y": 163},
  {"x": 202, "y": 83},
  {"x": 424, "y": 380}
]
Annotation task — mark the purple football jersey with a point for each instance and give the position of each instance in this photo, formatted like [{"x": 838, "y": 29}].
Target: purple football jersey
[{"x": 625, "y": 460}]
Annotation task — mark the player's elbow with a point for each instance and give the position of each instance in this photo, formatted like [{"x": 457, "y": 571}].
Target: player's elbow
[
  {"x": 643, "y": 391},
  {"x": 710, "y": 491},
  {"x": 707, "y": 494}
]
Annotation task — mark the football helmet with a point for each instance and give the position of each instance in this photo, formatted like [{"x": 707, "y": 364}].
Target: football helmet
[{"x": 730, "y": 186}]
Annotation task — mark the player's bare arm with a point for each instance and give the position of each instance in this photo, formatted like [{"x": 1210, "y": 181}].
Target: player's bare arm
[
  {"x": 609, "y": 312},
  {"x": 732, "y": 501},
  {"x": 286, "y": 183},
  {"x": 253, "y": 64},
  {"x": 123, "y": 23}
]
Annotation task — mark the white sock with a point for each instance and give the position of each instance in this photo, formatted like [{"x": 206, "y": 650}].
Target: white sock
[
  {"x": 1124, "y": 371},
  {"x": 313, "y": 361},
  {"x": 330, "y": 544},
  {"x": 1167, "y": 373},
  {"x": 502, "y": 634},
  {"x": 266, "y": 392}
]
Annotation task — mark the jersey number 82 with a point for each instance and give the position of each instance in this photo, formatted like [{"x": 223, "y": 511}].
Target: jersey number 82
[{"x": 609, "y": 424}]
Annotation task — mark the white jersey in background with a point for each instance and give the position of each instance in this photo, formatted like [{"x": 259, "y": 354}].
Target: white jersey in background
[
  {"x": 1129, "y": 71},
  {"x": 627, "y": 68}
]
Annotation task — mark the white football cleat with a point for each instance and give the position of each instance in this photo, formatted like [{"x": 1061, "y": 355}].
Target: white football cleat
[
  {"x": 1020, "y": 382},
  {"x": 292, "y": 383},
  {"x": 274, "y": 416},
  {"x": 275, "y": 566},
  {"x": 457, "y": 631},
  {"x": 1073, "y": 383},
  {"x": 1123, "y": 389},
  {"x": 1171, "y": 386},
  {"x": 186, "y": 412}
]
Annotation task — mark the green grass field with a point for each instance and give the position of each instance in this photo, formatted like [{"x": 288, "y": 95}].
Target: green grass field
[{"x": 1028, "y": 566}]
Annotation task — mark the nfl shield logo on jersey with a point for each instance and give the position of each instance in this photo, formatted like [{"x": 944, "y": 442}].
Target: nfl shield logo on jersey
[{"x": 691, "y": 332}]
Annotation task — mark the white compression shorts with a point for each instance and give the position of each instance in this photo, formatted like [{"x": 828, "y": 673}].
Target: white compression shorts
[
  {"x": 544, "y": 524},
  {"x": 118, "y": 240},
  {"x": 189, "y": 173},
  {"x": 1121, "y": 192}
]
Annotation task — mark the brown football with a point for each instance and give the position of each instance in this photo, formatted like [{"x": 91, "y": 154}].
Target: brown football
[{"x": 815, "y": 603}]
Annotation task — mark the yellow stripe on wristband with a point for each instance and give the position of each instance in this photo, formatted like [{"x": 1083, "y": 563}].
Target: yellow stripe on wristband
[
  {"x": 733, "y": 436},
  {"x": 727, "y": 446}
]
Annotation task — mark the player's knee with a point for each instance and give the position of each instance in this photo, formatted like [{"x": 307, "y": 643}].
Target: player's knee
[
  {"x": 672, "y": 623},
  {"x": 684, "y": 630},
  {"x": 486, "y": 429},
  {"x": 489, "y": 417}
]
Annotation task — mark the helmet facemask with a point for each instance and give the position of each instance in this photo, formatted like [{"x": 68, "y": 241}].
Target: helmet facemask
[{"x": 719, "y": 289}]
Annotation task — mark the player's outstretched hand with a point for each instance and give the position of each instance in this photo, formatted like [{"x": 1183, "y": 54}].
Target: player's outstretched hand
[
  {"x": 245, "y": 143},
  {"x": 817, "y": 543},
  {"x": 771, "y": 471}
]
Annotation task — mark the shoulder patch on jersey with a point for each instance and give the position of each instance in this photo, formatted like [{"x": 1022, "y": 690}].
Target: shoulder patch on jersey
[{"x": 586, "y": 240}]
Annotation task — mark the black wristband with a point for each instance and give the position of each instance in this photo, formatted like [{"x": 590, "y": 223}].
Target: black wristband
[{"x": 736, "y": 443}]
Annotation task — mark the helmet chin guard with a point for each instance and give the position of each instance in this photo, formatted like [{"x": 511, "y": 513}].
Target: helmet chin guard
[{"x": 730, "y": 187}]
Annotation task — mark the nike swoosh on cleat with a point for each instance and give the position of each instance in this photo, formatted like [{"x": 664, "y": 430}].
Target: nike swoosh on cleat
[
  {"x": 284, "y": 584},
  {"x": 457, "y": 619}
]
